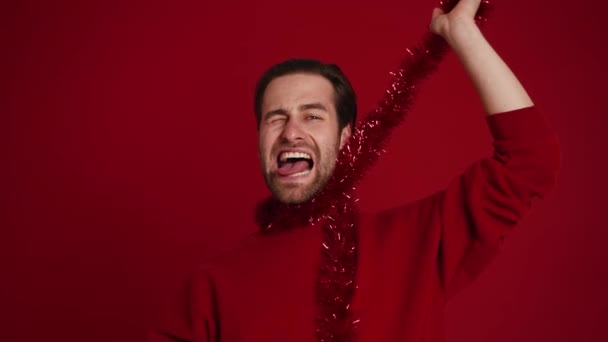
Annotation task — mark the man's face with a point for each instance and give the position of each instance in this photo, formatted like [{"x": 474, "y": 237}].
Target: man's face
[{"x": 299, "y": 136}]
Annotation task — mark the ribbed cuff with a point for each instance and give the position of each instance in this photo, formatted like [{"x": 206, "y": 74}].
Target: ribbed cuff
[{"x": 520, "y": 124}]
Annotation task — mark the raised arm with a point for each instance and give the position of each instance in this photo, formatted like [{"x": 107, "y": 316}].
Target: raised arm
[
  {"x": 499, "y": 89},
  {"x": 480, "y": 208},
  {"x": 372, "y": 133}
]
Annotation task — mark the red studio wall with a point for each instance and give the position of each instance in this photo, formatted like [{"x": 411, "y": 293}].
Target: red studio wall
[{"x": 128, "y": 153}]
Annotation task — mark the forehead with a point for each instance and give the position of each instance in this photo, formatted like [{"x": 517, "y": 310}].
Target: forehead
[{"x": 290, "y": 91}]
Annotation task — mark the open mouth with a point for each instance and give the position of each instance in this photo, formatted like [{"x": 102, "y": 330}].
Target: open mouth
[{"x": 293, "y": 164}]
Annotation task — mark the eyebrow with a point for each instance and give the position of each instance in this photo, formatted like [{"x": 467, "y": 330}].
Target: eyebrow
[
  {"x": 307, "y": 106},
  {"x": 316, "y": 105}
]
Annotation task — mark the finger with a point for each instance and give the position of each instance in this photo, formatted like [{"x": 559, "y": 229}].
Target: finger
[{"x": 437, "y": 12}]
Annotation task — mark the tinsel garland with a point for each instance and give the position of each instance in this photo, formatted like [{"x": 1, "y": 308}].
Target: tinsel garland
[{"x": 334, "y": 207}]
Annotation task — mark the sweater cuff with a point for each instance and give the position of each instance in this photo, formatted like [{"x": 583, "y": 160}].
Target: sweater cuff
[{"x": 520, "y": 124}]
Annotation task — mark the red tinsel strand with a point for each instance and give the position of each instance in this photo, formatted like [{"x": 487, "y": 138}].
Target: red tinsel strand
[{"x": 334, "y": 207}]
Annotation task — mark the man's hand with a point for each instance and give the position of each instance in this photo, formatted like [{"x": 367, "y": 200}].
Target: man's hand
[
  {"x": 499, "y": 89},
  {"x": 458, "y": 25}
]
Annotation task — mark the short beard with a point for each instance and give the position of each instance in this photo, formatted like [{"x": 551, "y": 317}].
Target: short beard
[{"x": 296, "y": 194}]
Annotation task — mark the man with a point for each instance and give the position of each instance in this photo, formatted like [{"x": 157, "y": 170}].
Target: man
[{"x": 410, "y": 259}]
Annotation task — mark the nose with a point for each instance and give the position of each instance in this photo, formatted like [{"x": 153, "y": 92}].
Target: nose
[{"x": 292, "y": 132}]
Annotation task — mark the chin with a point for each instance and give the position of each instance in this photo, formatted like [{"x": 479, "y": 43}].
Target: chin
[
  {"x": 297, "y": 191},
  {"x": 294, "y": 196}
]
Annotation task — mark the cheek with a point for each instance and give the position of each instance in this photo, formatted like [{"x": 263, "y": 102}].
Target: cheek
[
  {"x": 265, "y": 142},
  {"x": 328, "y": 144}
]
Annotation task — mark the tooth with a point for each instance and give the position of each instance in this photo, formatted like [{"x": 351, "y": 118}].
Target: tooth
[{"x": 285, "y": 155}]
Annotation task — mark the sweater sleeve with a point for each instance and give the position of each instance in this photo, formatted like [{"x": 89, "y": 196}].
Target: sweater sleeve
[
  {"x": 480, "y": 208},
  {"x": 193, "y": 318}
]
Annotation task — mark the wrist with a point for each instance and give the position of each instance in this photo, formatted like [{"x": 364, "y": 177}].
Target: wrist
[{"x": 464, "y": 35}]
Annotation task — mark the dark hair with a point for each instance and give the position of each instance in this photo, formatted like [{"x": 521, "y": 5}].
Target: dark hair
[{"x": 345, "y": 99}]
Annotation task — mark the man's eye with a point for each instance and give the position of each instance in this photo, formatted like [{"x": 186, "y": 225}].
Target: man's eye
[
  {"x": 276, "y": 119},
  {"x": 314, "y": 117}
]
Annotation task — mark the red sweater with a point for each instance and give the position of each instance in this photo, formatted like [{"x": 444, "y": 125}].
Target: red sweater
[{"x": 411, "y": 259}]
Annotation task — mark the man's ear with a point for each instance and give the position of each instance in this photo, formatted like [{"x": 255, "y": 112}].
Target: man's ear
[{"x": 345, "y": 135}]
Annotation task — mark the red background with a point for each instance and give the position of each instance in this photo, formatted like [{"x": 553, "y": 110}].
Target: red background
[{"x": 128, "y": 153}]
